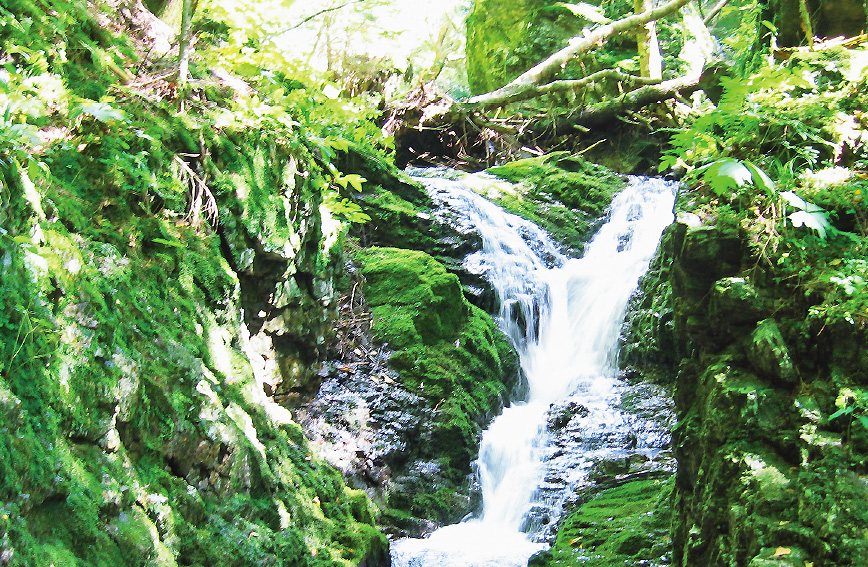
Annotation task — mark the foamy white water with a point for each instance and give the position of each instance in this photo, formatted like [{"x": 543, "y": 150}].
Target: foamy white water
[{"x": 564, "y": 316}]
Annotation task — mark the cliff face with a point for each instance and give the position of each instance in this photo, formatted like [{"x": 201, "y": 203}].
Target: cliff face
[{"x": 771, "y": 438}]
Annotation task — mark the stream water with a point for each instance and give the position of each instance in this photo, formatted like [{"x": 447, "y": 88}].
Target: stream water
[{"x": 564, "y": 316}]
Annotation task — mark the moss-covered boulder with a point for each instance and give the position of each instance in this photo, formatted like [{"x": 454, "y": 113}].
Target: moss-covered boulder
[
  {"x": 625, "y": 524},
  {"x": 449, "y": 353},
  {"x": 504, "y": 39},
  {"x": 564, "y": 194}
]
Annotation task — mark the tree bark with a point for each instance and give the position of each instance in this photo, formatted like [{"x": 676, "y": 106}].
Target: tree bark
[
  {"x": 545, "y": 70},
  {"x": 714, "y": 12},
  {"x": 604, "y": 112},
  {"x": 184, "y": 44},
  {"x": 533, "y": 91},
  {"x": 650, "y": 60}
]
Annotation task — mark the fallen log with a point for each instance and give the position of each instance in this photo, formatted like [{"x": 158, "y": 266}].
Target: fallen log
[
  {"x": 603, "y": 113},
  {"x": 540, "y": 73}
]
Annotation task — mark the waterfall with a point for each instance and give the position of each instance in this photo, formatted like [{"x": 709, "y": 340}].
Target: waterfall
[{"x": 564, "y": 316}]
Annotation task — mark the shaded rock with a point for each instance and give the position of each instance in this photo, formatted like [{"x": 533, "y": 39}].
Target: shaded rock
[
  {"x": 608, "y": 468},
  {"x": 559, "y": 415},
  {"x": 539, "y": 559},
  {"x": 735, "y": 301},
  {"x": 768, "y": 353}
]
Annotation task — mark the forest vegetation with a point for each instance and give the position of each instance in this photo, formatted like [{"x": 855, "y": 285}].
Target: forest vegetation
[{"x": 203, "y": 219}]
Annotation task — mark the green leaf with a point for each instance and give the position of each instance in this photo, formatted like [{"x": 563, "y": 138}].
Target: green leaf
[
  {"x": 725, "y": 175},
  {"x": 800, "y": 203},
  {"x": 760, "y": 178},
  {"x": 863, "y": 420},
  {"x": 840, "y": 412},
  {"x": 588, "y": 11},
  {"x": 338, "y": 144},
  {"x": 246, "y": 69},
  {"x": 809, "y": 215},
  {"x": 102, "y": 111},
  {"x": 816, "y": 220},
  {"x": 346, "y": 209},
  {"x": 794, "y": 200},
  {"x": 174, "y": 243},
  {"x": 355, "y": 180}
]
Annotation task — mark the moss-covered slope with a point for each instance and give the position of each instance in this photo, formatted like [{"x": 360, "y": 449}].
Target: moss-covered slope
[
  {"x": 136, "y": 430},
  {"x": 159, "y": 275},
  {"x": 770, "y": 441},
  {"x": 626, "y": 524},
  {"x": 769, "y": 406}
]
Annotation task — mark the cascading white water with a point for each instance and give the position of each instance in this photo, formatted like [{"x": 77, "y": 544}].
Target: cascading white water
[{"x": 563, "y": 316}]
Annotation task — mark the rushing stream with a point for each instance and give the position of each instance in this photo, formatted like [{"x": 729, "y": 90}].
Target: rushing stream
[{"x": 564, "y": 316}]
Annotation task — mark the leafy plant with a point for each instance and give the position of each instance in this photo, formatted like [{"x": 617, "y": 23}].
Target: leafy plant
[
  {"x": 345, "y": 209},
  {"x": 807, "y": 214},
  {"x": 761, "y": 118},
  {"x": 728, "y": 176},
  {"x": 852, "y": 403}
]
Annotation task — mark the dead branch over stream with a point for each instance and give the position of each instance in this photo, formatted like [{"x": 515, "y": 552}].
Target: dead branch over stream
[{"x": 427, "y": 120}]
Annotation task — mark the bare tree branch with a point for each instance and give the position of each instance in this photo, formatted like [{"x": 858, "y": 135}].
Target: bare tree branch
[
  {"x": 543, "y": 71},
  {"x": 312, "y": 16},
  {"x": 714, "y": 11},
  {"x": 533, "y": 91}
]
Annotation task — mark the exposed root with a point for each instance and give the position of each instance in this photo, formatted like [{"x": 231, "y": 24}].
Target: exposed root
[{"x": 201, "y": 200}]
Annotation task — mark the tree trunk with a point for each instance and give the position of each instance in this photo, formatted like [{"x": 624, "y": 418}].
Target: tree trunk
[
  {"x": 184, "y": 44},
  {"x": 650, "y": 60}
]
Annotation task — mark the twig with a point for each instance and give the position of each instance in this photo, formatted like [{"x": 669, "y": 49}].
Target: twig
[
  {"x": 591, "y": 147},
  {"x": 311, "y": 17}
]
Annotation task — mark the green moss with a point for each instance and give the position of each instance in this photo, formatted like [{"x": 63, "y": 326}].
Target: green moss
[
  {"x": 445, "y": 350},
  {"x": 415, "y": 300},
  {"x": 506, "y": 39},
  {"x": 566, "y": 195},
  {"x": 131, "y": 434},
  {"x": 624, "y": 525}
]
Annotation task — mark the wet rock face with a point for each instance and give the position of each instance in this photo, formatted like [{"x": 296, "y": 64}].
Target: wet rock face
[
  {"x": 559, "y": 415},
  {"x": 379, "y": 434},
  {"x": 363, "y": 421},
  {"x": 421, "y": 372},
  {"x": 592, "y": 451}
]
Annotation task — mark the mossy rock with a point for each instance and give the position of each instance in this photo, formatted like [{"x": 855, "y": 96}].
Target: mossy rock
[
  {"x": 142, "y": 436},
  {"x": 504, "y": 39},
  {"x": 415, "y": 300},
  {"x": 447, "y": 351},
  {"x": 564, "y": 194},
  {"x": 620, "y": 526}
]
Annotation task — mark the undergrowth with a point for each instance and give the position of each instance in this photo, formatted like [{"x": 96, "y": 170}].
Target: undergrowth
[{"x": 132, "y": 433}]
